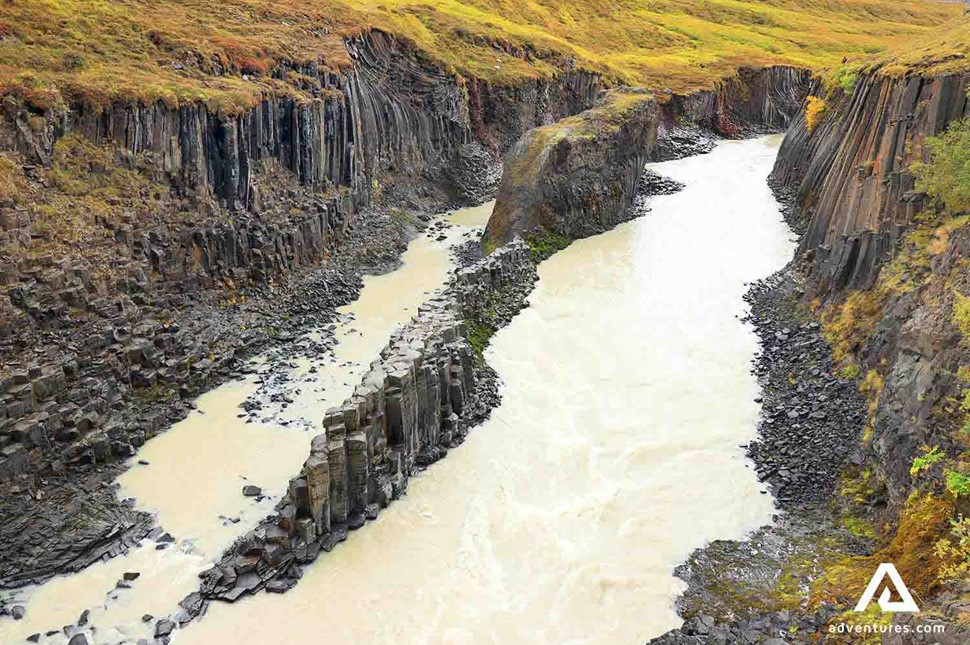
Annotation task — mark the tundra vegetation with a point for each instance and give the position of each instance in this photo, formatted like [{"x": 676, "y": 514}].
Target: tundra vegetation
[{"x": 227, "y": 53}]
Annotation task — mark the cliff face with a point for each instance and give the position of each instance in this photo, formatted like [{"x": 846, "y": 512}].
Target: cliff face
[
  {"x": 851, "y": 173},
  {"x": 888, "y": 269},
  {"x": 754, "y": 100},
  {"x": 238, "y": 201},
  {"x": 579, "y": 177}
]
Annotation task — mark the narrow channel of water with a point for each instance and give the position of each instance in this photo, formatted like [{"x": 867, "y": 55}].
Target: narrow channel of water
[
  {"x": 196, "y": 469},
  {"x": 614, "y": 454}
]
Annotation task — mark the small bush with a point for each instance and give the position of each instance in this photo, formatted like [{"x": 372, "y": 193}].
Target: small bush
[
  {"x": 954, "y": 551},
  {"x": 958, "y": 483},
  {"x": 945, "y": 177},
  {"x": 926, "y": 460},
  {"x": 845, "y": 78},
  {"x": 961, "y": 313},
  {"x": 814, "y": 112}
]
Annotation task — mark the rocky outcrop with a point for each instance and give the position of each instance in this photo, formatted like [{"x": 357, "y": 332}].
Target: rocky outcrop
[
  {"x": 417, "y": 401},
  {"x": 579, "y": 176},
  {"x": 851, "y": 173}
]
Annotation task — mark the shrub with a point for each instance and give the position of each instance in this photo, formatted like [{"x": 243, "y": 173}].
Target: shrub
[
  {"x": 954, "y": 551},
  {"x": 814, "y": 112},
  {"x": 846, "y": 78},
  {"x": 926, "y": 460},
  {"x": 945, "y": 177},
  {"x": 958, "y": 483},
  {"x": 961, "y": 313}
]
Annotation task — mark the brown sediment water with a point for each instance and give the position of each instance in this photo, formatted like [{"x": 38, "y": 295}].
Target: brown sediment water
[
  {"x": 614, "y": 453},
  {"x": 197, "y": 468}
]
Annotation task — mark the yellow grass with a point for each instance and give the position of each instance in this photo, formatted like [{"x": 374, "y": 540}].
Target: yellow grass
[
  {"x": 97, "y": 51},
  {"x": 946, "y": 52}
]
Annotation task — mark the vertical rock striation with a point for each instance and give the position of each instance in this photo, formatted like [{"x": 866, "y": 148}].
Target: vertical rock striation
[
  {"x": 579, "y": 177},
  {"x": 418, "y": 399},
  {"x": 271, "y": 191},
  {"x": 851, "y": 173}
]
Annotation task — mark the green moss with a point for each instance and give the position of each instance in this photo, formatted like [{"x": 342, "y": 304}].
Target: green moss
[
  {"x": 158, "y": 393},
  {"x": 924, "y": 461},
  {"x": 479, "y": 335},
  {"x": 850, "y": 370},
  {"x": 961, "y": 313},
  {"x": 859, "y": 527},
  {"x": 843, "y": 78},
  {"x": 544, "y": 245},
  {"x": 923, "y": 521},
  {"x": 489, "y": 246},
  {"x": 957, "y": 483}
]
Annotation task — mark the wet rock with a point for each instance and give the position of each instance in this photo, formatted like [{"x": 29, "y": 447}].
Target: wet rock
[
  {"x": 163, "y": 628},
  {"x": 18, "y": 612},
  {"x": 251, "y": 491}
]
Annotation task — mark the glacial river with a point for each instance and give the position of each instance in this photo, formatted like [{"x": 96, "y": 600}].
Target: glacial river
[{"x": 614, "y": 453}]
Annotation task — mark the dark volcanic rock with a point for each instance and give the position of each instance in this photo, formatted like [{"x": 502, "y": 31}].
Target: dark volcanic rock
[{"x": 578, "y": 177}]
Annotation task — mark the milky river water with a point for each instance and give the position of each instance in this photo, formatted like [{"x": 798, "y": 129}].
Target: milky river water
[{"x": 614, "y": 454}]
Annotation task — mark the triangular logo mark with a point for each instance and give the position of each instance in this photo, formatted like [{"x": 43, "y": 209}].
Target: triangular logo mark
[{"x": 906, "y": 605}]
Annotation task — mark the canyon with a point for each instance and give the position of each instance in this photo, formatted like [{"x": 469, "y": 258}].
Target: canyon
[{"x": 220, "y": 262}]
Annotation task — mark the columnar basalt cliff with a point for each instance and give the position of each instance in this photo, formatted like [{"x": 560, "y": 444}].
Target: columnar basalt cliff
[
  {"x": 851, "y": 173},
  {"x": 884, "y": 267},
  {"x": 853, "y": 182},
  {"x": 272, "y": 190},
  {"x": 753, "y": 101},
  {"x": 420, "y": 398}
]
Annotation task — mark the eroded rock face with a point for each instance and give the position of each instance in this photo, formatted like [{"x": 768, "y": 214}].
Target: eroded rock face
[
  {"x": 753, "y": 101},
  {"x": 271, "y": 192},
  {"x": 852, "y": 176}
]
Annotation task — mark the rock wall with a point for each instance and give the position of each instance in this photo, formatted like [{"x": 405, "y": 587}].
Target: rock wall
[
  {"x": 417, "y": 401},
  {"x": 753, "y": 101},
  {"x": 271, "y": 191},
  {"x": 890, "y": 301},
  {"x": 852, "y": 183},
  {"x": 851, "y": 173}
]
